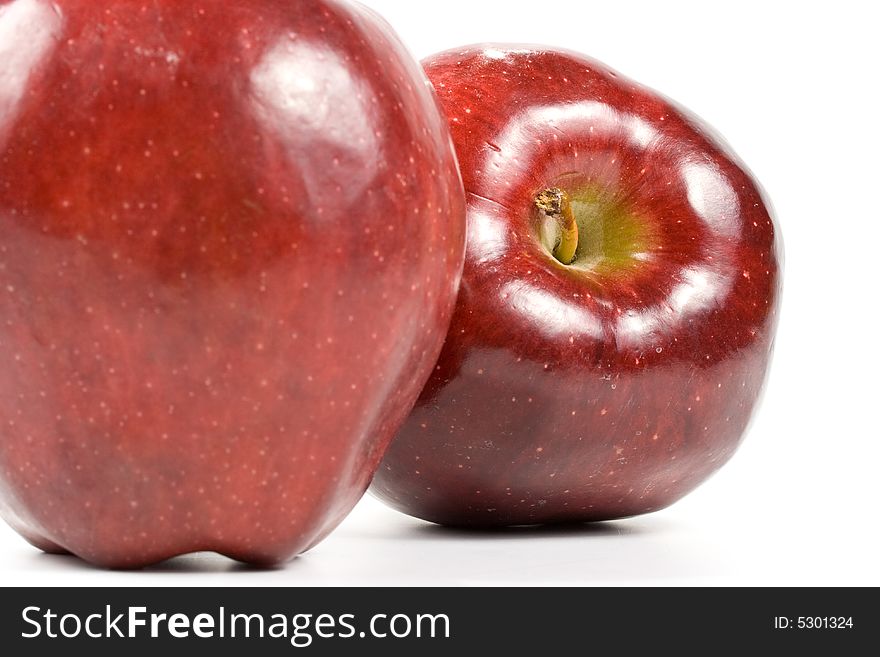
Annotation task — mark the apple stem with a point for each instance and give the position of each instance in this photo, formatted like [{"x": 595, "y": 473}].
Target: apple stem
[{"x": 555, "y": 206}]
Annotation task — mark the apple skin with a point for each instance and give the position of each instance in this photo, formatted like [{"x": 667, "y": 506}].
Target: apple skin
[
  {"x": 231, "y": 234},
  {"x": 569, "y": 393}
]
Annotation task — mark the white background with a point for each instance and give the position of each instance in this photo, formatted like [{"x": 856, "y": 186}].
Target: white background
[{"x": 793, "y": 87}]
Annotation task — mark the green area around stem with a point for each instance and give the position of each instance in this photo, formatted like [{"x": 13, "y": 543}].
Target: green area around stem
[{"x": 611, "y": 237}]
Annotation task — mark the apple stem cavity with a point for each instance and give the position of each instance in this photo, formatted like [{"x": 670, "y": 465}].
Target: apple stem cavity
[{"x": 559, "y": 229}]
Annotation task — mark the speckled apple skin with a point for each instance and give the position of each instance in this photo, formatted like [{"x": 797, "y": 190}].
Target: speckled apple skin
[
  {"x": 569, "y": 395},
  {"x": 230, "y": 238}
]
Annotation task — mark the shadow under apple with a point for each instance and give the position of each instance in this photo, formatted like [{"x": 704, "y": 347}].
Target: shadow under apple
[
  {"x": 567, "y": 529},
  {"x": 197, "y": 562}
]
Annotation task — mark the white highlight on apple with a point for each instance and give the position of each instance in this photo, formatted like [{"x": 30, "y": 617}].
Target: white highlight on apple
[
  {"x": 292, "y": 87},
  {"x": 28, "y": 30},
  {"x": 554, "y": 316},
  {"x": 712, "y": 197}
]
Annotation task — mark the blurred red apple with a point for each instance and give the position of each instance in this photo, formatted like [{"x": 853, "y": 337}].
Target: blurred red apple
[
  {"x": 617, "y": 310},
  {"x": 230, "y": 238}
]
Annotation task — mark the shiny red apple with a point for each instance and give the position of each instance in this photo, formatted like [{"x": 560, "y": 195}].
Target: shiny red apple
[
  {"x": 230, "y": 239},
  {"x": 618, "y": 306}
]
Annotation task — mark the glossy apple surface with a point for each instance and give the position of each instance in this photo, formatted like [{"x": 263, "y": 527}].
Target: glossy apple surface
[
  {"x": 230, "y": 238},
  {"x": 613, "y": 385}
]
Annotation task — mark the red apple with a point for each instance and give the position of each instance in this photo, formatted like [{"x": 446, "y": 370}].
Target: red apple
[
  {"x": 230, "y": 239},
  {"x": 618, "y": 305}
]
